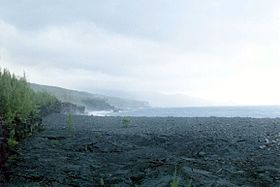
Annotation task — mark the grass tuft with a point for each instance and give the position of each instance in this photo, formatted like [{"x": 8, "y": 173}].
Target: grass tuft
[{"x": 175, "y": 180}]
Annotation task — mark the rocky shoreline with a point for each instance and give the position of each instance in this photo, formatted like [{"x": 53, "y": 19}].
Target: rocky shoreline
[{"x": 141, "y": 151}]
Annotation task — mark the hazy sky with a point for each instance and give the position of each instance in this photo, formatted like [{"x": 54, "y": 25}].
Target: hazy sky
[{"x": 220, "y": 50}]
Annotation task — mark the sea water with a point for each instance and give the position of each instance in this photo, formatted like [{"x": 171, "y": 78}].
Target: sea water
[{"x": 230, "y": 111}]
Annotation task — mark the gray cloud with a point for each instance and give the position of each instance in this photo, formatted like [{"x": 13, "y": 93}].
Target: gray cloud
[{"x": 209, "y": 49}]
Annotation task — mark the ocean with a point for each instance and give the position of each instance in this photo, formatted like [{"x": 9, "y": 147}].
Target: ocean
[{"x": 232, "y": 111}]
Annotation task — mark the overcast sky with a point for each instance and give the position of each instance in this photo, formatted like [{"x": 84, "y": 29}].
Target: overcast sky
[{"x": 224, "y": 51}]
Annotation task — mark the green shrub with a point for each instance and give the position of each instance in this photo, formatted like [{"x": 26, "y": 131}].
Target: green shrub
[
  {"x": 125, "y": 122},
  {"x": 69, "y": 122}
]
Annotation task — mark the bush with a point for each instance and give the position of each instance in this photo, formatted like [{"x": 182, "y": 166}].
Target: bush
[{"x": 125, "y": 122}]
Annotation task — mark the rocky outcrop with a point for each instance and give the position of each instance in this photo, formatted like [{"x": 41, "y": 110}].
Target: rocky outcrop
[
  {"x": 69, "y": 108},
  {"x": 61, "y": 107},
  {"x": 51, "y": 108}
]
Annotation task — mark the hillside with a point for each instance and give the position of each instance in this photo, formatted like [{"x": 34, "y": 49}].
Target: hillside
[{"x": 89, "y": 100}]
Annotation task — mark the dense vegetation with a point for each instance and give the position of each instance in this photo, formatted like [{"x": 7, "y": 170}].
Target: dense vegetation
[
  {"x": 20, "y": 111},
  {"x": 20, "y": 106}
]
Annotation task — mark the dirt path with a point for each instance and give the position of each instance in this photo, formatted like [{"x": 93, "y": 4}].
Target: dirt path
[{"x": 146, "y": 151}]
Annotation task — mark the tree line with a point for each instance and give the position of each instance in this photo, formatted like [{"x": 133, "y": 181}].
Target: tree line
[
  {"x": 21, "y": 110},
  {"x": 21, "y": 106}
]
